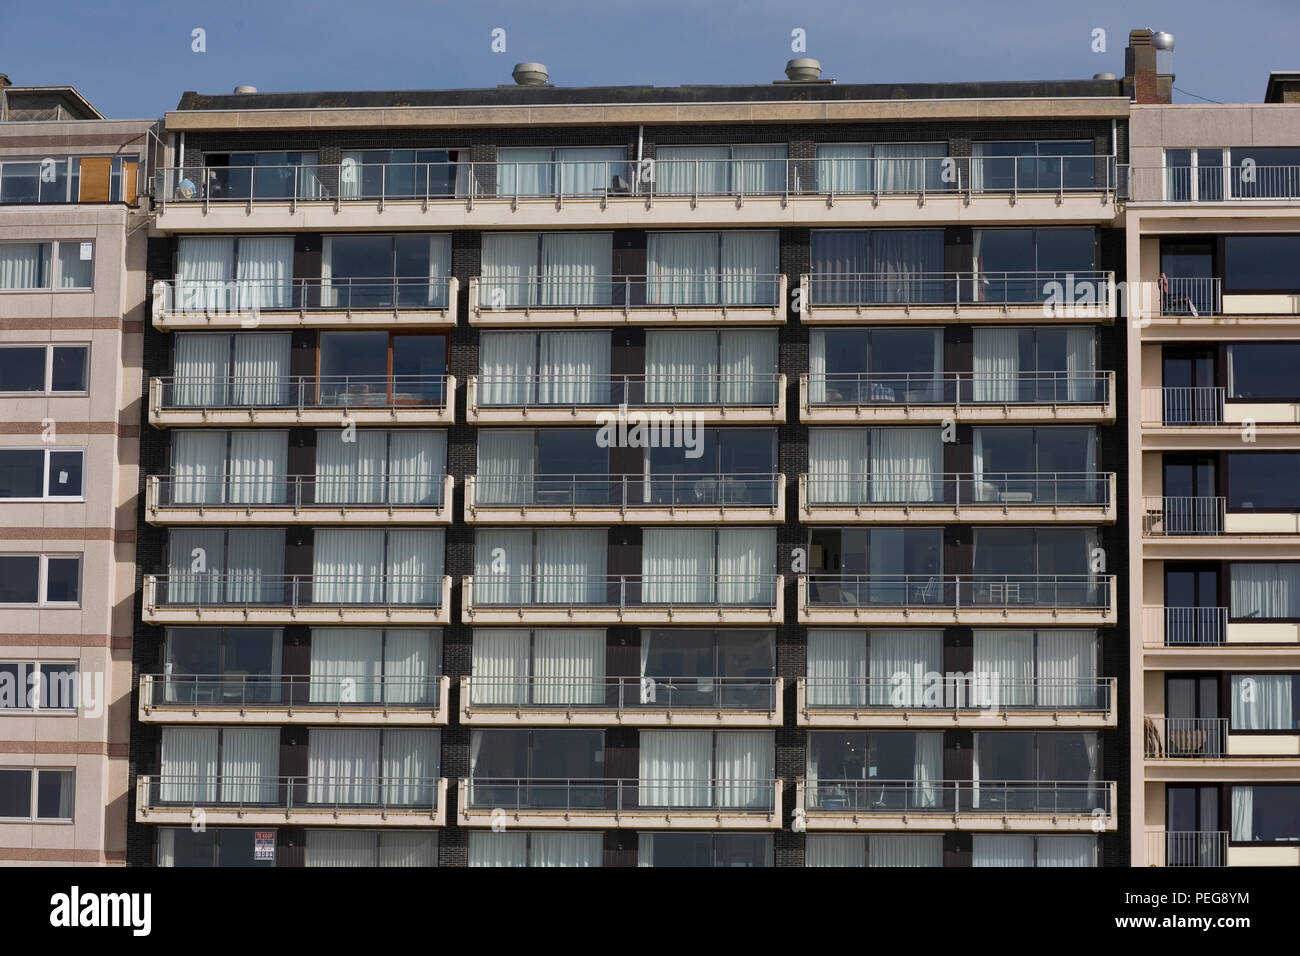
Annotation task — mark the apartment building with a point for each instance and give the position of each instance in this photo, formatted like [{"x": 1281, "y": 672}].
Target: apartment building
[
  {"x": 1212, "y": 226},
  {"x": 72, "y": 253}
]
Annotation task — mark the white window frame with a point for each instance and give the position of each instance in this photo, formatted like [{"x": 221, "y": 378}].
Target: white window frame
[
  {"x": 45, "y": 495},
  {"x": 42, "y": 578},
  {"x": 33, "y": 780},
  {"x": 36, "y": 708},
  {"x": 47, "y": 387}
]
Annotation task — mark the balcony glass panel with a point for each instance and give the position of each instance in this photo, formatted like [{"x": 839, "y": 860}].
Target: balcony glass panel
[{"x": 1032, "y": 166}]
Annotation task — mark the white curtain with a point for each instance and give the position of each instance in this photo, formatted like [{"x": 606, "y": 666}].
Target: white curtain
[
  {"x": 1265, "y": 590},
  {"x": 905, "y": 849},
  {"x": 261, "y": 371},
  {"x": 489, "y": 848},
  {"x": 255, "y": 565},
  {"x": 1009, "y": 655},
  {"x": 686, "y": 170},
  {"x": 417, "y": 462},
  {"x": 410, "y": 767},
  {"x": 681, "y": 368},
  {"x": 510, "y": 267},
  {"x": 747, "y": 364},
  {"x": 507, "y": 368},
  {"x": 204, "y": 268},
  {"x": 337, "y": 847},
  {"x": 571, "y": 566},
  {"x": 759, "y": 170},
  {"x": 188, "y": 770},
  {"x": 201, "y": 366},
  {"x": 407, "y": 848},
  {"x": 927, "y": 769},
  {"x": 590, "y": 170},
  {"x": 508, "y": 581},
  {"x": 817, "y": 366},
  {"x": 411, "y": 664},
  {"x": 347, "y": 566},
  {"x": 682, "y": 268},
  {"x": 24, "y": 265},
  {"x": 1079, "y": 364},
  {"x": 351, "y": 472},
  {"x": 188, "y": 584},
  {"x": 1243, "y": 814},
  {"x": 915, "y": 653},
  {"x": 250, "y": 764},
  {"x": 505, "y": 467},
  {"x": 749, "y": 266},
  {"x": 574, "y": 368},
  {"x": 837, "y": 668},
  {"x": 838, "y": 459},
  {"x": 844, "y": 167},
  {"x": 346, "y": 663},
  {"x": 198, "y": 467},
  {"x": 1067, "y": 668},
  {"x": 676, "y": 768},
  {"x": 678, "y": 566},
  {"x": 525, "y": 171},
  {"x": 343, "y": 765},
  {"x": 746, "y": 565},
  {"x": 745, "y": 768},
  {"x": 566, "y": 849},
  {"x": 499, "y": 667},
  {"x": 265, "y": 272},
  {"x": 996, "y": 365},
  {"x": 258, "y": 466},
  {"x": 1262, "y": 702},
  {"x": 577, "y": 268},
  {"x": 569, "y": 667},
  {"x": 906, "y": 465},
  {"x": 415, "y": 557},
  {"x": 835, "y": 849},
  {"x": 907, "y": 167},
  {"x": 1002, "y": 849},
  {"x": 1072, "y": 850}
]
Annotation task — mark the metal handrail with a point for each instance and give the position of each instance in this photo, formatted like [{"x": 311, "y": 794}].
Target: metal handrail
[
  {"x": 235, "y": 792},
  {"x": 857, "y": 795},
  {"x": 959, "y": 388},
  {"x": 341, "y": 294},
  {"x": 627, "y": 291},
  {"x": 1182, "y": 296},
  {"x": 622, "y": 694},
  {"x": 1187, "y": 626},
  {"x": 920, "y": 288},
  {"x": 303, "y": 391},
  {"x": 620, "y": 795},
  {"x": 953, "y": 591},
  {"x": 1005, "y": 489},
  {"x": 255, "y": 589},
  {"x": 290, "y": 690},
  {"x": 1181, "y": 515},
  {"x": 676, "y": 389},
  {"x": 1187, "y": 848},
  {"x": 1184, "y": 405},
  {"x": 705, "y": 490},
  {"x": 973, "y": 691},
  {"x": 625, "y": 590},
  {"x": 1193, "y": 738},
  {"x": 299, "y": 491}
]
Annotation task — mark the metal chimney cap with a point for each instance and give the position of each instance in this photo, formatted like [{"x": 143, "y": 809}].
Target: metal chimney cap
[
  {"x": 530, "y": 74},
  {"x": 803, "y": 69},
  {"x": 1103, "y": 76},
  {"x": 1163, "y": 41},
  {"x": 244, "y": 89}
]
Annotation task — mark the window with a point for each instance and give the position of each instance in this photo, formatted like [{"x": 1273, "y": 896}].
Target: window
[
  {"x": 710, "y": 367},
  {"x": 1035, "y": 365},
  {"x": 876, "y": 849},
  {"x": 41, "y": 474},
  {"x": 382, "y": 368},
  {"x": 1256, "y": 264},
  {"x": 875, "y": 566},
  {"x": 704, "y": 849},
  {"x": 729, "y": 566},
  {"x": 522, "y": 769},
  {"x": 559, "y": 566},
  {"x": 728, "y": 466},
  {"x": 705, "y": 769},
  {"x": 1037, "y": 772},
  {"x": 1033, "y": 166},
  {"x": 1267, "y": 813},
  {"x": 76, "y": 265},
  {"x": 1265, "y": 172},
  {"x": 883, "y": 167},
  {"x": 860, "y": 465},
  {"x": 262, "y": 175},
  {"x": 547, "y": 368},
  {"x": 216, "y": 467},
  {"x": 1003, "y": 849},
  {"x": 396, "y": 665},
  {"x": 574, "y": 170},
  {"x": 213, "y": 847},
  {"x": 67, "y": 264},
  {"x": 41, "y": 579},
  {"x": 858, "y": 668},
  {"x": 48, "y": 369},
  {"x": 209, "y": 765},
  {"x": 898, "y": 770},
  {"x": 720, "y": 170},
  {"x": 225, "y": 566},
  {"x": 386, "y": 272},
  {"x": 1044, "y": 668},
  {"x": 1263, "y": 371},
  {"x": 85, "y": 179},
  {"x": 1018, "y": 265},
  {"x": 544, "y": 467},
  {"x": 216, "y": 665},
  {"x": 876, "y": 366},
  {"x": 341, "y": 847},
  {"x": 372, "y": 566},
  {"x": 222, "y": 370},
  {"x": 404, "y": 173},
  {"x": 535, "y": 848},
  {"x": 42, "y": 795},
  {"x": 518, "y": 667},
  {"x": 234, "y": 273},
  {"x": 530, "y": 269},
  {"x": 39, "y": 685},
  {"x": 381, "y": 466},
  {"x": 1194, "y": 175},
  {"x": 1034, "y": 551},
  {"x": 712, "y": 268},
  {"x": 879, "y": 266},
  {"x": 707, "y": 670},
  {"x": 1046, "y": 465},
  {"x": 369, "y": 767},
  {"x": 1263, "y": 481},
  {"x": 1264, "y": 591},
  {"x": 1266, "y": 702}
]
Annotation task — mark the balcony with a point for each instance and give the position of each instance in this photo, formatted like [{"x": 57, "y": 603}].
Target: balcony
[
  {"x": 1201, "y": 419},
  {"x": 1201, "y": 526},
  {"x": 1085, "y": 295},
  {"x": 255, "y": 598},
  {"x": 1203, "y": 638},
  {"x": 959, "y": 396},
  {"x": 622, "y": 599},
  {"x": 305, "y": 801},
  {"x": 1024, "y": 498},
  {"x": 1245, "y": 185},
  {"x": 929, "y": 805},
  {"x": 621, "y": 702},
  {"x": 303, "y": 400},
  {"x": 714, "y": 192},
  {"x": 625, "y": 499},
  {"x": 1201, "y": 302},
  {"x": 976, "y": 700},
  {"x": 304, "y": 303},
  {"x": 578, "y": 400},
  {"x": 297, "y": 499},
  {"x": 1212, "y": 739},
  {"x": 710, "y": 299},
  {"x": 273, "y": 699},
  {"x": 676, "y": 804},
  {"x": 1185, "y": 848},
  {"x": 982, "y": 599}
]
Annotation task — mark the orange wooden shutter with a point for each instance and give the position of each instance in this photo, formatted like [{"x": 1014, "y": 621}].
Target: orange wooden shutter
[
  {"x": 95, "y": 176},
  {"x": 129, "y": 172}
]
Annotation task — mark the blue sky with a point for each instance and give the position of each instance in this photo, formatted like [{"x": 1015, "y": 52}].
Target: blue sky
[{"x": 135, "y": 59}]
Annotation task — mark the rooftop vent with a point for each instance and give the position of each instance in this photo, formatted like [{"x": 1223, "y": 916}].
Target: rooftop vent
[
  {"x": 243, "y": 90},
  {"x": 1163, "y": 41},
  {"x": 803, "y": 69},
  {"x": 1103, "y": 76},
  {"x": 530, "y": 74}
]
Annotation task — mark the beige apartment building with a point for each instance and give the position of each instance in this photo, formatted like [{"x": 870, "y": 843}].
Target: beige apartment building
[
  {"x": 72, "y": 243},
  {"x": 1214, "y": 404}
]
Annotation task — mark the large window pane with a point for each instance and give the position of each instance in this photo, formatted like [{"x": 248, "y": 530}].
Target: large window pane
[
  {"x": 1264, "y": 482},
  {"x": 1261, "y": 263},
  {"x": 19, "y": 574},
  {"x": 1261, "y": 371},
  {"x": 22, "y": 369}
]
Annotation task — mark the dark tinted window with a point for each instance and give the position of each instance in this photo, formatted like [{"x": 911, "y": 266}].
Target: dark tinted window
[
  {"x": 22, "y": 369},
  {"x": 15, "y": 793},
  {"x": 1261, "y": 263},
  {"x": 65, "y": 474},
  {"x": 1264, "y": 482},
  {"x": 18, "y": 577},
  {"x": 21, "y": 473},
  {"x": 69, "y": 369},
  {"x": 1264, "y": 370},
  {"x": 1266, "y": 814},
  {"x": 63, "y": 580}
]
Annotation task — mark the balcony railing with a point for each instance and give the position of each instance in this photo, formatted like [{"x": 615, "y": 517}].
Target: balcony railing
[
  {"x": 1192, "y": 738},
  {"x": 955, "y": 592},
  {"x": 1076, "y": 289},
  {"x": 739, "y": 490},
  {"x": 567, "y": 180},
  {"x": 626, "y": 694},
  {"x": 238, "y": 792},
  {"x": 1007, "y": 489},
  {"x": 255, "y": 589},
  {"x": 1218, "y": 183},
  {"x": 251, "y": 296},
  {"x": 1187, "y": 626},
  {"x": 989, "y": 691},
  {"x": 1191, "y": 296},
  {"x": 625, "y": 590},
  {"x": 957, "y": 796},
  {"x": 303, "y": 391},
  {"x": 1183, "y": 515},
  {"x": 298, "y": 491},
  {"x": 959, "y": 388},
  {"x": 676, "y": 389},
  {"x": 663, "y": 291},
  {"x": 289, "y": 690},
  {"x": 736, "y": 794},
  {"x": 1187, "y": 848},
  {"x": 1183, "y": 406}
]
